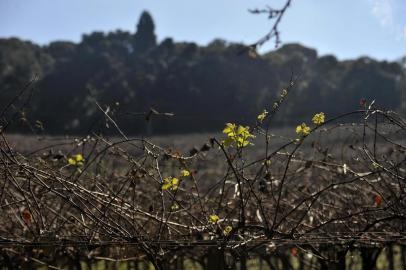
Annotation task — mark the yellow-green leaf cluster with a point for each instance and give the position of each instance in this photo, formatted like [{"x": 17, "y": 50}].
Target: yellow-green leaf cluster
[
  {"x": 303, "y": 129},
  {"x": 237, "y": 135},
  {"x": 227, "y": 230},
  {"x": 184, "y": 173},
  {"x": 174, "y": 206},
  {"x": 170, "y": 183},
  {"x": 318, "y": 118},
  {"x": 76, "y": 160},
  {"x": 261, "y": 117},
  {"x": 214, "y": 219}
]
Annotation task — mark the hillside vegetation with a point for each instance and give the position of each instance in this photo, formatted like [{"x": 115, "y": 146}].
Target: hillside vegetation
[{"x": 204, "y": 86}]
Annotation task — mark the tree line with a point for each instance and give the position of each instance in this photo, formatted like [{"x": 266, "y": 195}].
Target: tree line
[{"x": 144, "y": 82}]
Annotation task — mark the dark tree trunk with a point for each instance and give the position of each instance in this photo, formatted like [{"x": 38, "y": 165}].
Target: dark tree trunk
[
  {"x": 403, "y": 256},
  {"x": 301, "y": 261},
  {"x": 215, "y": 259},
  {"x": 323, "y": 265},
  {"x": 339, "y": 264},
  {"x": 261, "y": 264},
  {"x": 389, "y": 255},
  {"x": 369, "y": 257},
  {"x": 243, "y": 262},
  {"x": 179, "y": 263},
  {"x": 161, "y": 265},
  {"x": 285, "y": 262},
  {"x": 7, "y": 261},
  {"x": 78, "y": 266}
]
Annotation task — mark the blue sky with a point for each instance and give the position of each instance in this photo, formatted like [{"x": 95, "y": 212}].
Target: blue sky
[{"x": 345, "y": 28}]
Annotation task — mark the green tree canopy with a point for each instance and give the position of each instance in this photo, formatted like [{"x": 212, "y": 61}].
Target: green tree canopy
[{"x": 144, "y": 38}]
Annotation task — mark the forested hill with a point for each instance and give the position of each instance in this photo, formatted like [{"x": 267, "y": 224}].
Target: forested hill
[{"x": 204, "y": 86}]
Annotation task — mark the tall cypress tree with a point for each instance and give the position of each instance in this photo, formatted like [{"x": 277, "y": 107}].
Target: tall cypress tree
[{"x": 144, "y": 38}]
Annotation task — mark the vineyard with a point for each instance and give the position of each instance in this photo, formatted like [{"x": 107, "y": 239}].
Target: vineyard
[
  {"x": 309, "y": 174},
  {"x": 327, "y": 194}
]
